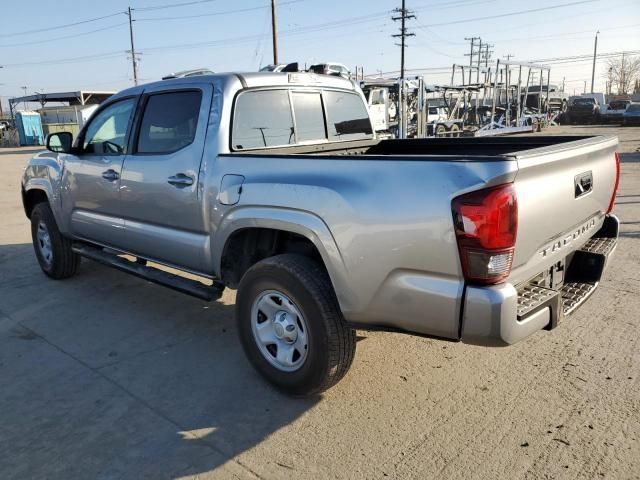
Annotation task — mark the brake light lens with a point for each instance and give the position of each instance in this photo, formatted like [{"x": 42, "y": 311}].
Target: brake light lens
[
  {"x": 486, "y": 224},
  {"x": 615, "y": 184}
]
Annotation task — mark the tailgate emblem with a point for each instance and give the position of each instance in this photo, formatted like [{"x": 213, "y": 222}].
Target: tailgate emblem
[{"x": 583, "y": 183}]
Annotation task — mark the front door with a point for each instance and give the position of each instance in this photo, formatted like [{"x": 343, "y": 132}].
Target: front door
[
  {"x": 159, "y": 186},
  {"x": 91, "y": 180}
]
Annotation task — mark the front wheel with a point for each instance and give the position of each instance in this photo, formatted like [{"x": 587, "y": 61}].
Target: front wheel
[
  {"x": 291, "y": 326},
  {"x": 53, "y": 250}
]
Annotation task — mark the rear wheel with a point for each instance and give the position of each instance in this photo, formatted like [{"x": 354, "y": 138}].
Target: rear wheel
[
  {"x": 53, "y": 250},
  {"x": 291, "y": 326}
]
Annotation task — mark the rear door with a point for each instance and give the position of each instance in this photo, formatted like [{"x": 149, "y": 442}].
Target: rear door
[
  {"x": 159, "y": 188},
  {"x": 91, "y": 181}
]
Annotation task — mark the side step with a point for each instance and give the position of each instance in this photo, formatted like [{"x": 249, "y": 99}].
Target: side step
[{"x": 175, "y": 282}]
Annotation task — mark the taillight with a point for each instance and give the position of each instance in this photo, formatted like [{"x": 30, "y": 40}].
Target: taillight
[
  {"x": 486, "y": 224},
  {"x": 615, "y": 184}
]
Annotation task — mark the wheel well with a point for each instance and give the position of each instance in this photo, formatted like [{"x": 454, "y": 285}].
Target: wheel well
[
  {"x": 31, "y": 198},
  {"x": 246, "y": 247}
]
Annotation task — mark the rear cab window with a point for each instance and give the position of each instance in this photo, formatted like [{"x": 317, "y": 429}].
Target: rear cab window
[
  {"x": 282, "y": 117},
  {"x": 169, "y": 122},
  {"x": 262, "y": 119}
]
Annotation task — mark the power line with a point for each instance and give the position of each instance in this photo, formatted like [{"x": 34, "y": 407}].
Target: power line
[
  {"x": 174, "y": 5},
  {"x": 48, "y": 29},
  {"x": 214, "y": 14},
  {"x": 502, "y": 15},
  {"x": 48, "y": 40}
]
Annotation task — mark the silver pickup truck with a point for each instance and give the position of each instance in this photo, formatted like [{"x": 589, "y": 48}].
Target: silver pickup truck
[{"x": 274, "y": 184}]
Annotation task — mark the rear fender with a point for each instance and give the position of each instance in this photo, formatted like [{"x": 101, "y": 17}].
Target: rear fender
[{"x": 294, "y": 221}]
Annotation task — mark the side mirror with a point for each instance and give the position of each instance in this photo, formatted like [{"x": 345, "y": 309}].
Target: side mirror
[{"x": 60, "y": 142}]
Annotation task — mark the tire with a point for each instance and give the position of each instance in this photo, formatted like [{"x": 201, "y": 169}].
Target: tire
[
  {"x": 295, "y": 291},
  {"x": 53, "y": 251}
]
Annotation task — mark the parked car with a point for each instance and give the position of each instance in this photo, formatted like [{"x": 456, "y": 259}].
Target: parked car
[
  {"x": 583, "y": 110},
  {"x": 331, "y": 69},
  {"x": 322, "y": 227},
  {"x": 631, "y": 115},
  {"x": 614, "y": 111},
  {"x": 557, "y": 100}
]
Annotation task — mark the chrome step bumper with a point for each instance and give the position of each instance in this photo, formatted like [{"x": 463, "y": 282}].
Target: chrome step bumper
[{"x": 503, "y": 314}]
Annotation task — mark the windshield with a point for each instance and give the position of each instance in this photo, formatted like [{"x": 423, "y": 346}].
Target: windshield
[
  {"x": 618, "y": 105},
  {"x": 584, "y": 101}
]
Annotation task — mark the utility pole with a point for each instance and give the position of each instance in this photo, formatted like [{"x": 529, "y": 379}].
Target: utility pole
[
  {"x": 404, "y": 16},
  {"x": 133, "y": 50},
  {"x": 621, "y": 82},
  {"x": 479, "y": 60},
  {"x": 472, "y": 53},
  {"x": 1, "y": 114},
  {"x": 595, "y": 53},
  {"x": 24, "y": 102},
  {"x": 274, "y": 32}
]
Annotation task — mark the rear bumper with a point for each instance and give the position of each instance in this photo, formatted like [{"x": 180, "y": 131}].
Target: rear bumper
[{"x": 502, "y": 315}]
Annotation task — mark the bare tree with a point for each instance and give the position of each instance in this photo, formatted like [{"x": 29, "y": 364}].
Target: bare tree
[{"x": 623, "y": 72}]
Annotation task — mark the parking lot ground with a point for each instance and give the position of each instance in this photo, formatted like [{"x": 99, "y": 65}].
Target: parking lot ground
[{"x": 108, "y": 376}]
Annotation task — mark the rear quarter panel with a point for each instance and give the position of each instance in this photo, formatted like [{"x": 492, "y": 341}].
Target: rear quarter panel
[{"x": 390, "y": 219}]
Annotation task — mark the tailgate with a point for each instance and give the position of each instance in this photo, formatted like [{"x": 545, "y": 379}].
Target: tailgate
[{"x": 563, "y": 193}]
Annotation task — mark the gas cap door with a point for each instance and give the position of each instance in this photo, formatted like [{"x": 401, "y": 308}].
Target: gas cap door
[{"x": 230, "y": 189}]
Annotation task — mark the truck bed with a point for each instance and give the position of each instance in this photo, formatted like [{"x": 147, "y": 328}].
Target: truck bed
[{"x": 499, "y": 147}]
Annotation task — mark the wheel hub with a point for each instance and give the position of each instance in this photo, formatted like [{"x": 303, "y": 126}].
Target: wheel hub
[
  {"x": 280, "y": 330},
  {"x": 285, "y": 327},
  {"x": 44, "y": 242}
]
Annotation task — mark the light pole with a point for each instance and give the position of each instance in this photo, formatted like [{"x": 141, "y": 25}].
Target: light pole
[
  {"x": 595, "y": 53},
  {"x": 1, "y": 114},
  {"x": 24, "y": 102}
]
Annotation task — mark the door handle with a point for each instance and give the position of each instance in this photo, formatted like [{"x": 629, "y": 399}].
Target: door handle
[
  {"x": 110, "y": 175},
  {"x": 180, "y": 180}
]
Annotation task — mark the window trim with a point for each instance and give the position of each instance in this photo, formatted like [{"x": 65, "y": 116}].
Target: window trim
[
  {"x": 127, "y": 136},
  {"x": 144, "y": 101},
  {"x": 291, "y": 89}
]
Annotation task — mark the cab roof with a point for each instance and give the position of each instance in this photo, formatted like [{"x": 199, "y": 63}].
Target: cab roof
[{"x": 251, "y": 80}]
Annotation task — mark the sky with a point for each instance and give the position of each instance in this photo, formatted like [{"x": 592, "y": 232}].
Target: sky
[{"x": 39, "y": 52}]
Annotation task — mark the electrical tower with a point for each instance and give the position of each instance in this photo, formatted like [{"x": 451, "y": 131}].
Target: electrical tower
[
  {"x": 479, "y": 54},
  {"x": 403, "y": 16}
]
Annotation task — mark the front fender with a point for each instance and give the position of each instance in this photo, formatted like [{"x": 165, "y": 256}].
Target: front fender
[
  {"x": 295, "y": 221},
  {"x": 44, "y": 172}
]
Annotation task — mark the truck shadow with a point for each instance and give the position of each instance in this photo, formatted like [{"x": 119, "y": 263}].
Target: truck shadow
[{"x": 133, "y": 380}]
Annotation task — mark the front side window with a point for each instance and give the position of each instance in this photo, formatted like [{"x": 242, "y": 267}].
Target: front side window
[
  {"x": 106, "y": 134},
  {"x": 262, "y": 119},
  {"x": 347, "y": 117},
  {"x": 307, "y": 108},
  {"x": 169, "y": 122}
]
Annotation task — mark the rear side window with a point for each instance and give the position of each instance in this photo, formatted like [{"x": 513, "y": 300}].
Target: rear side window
[
  {"x": 169, "y": 122},
  {"x": 262, "y": 119},
  {"x": 307, "y": 108},
  {"x": 347, "y": 117}
]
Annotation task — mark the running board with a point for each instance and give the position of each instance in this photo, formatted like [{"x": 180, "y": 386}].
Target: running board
[{"x": 184, "y": 285}]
